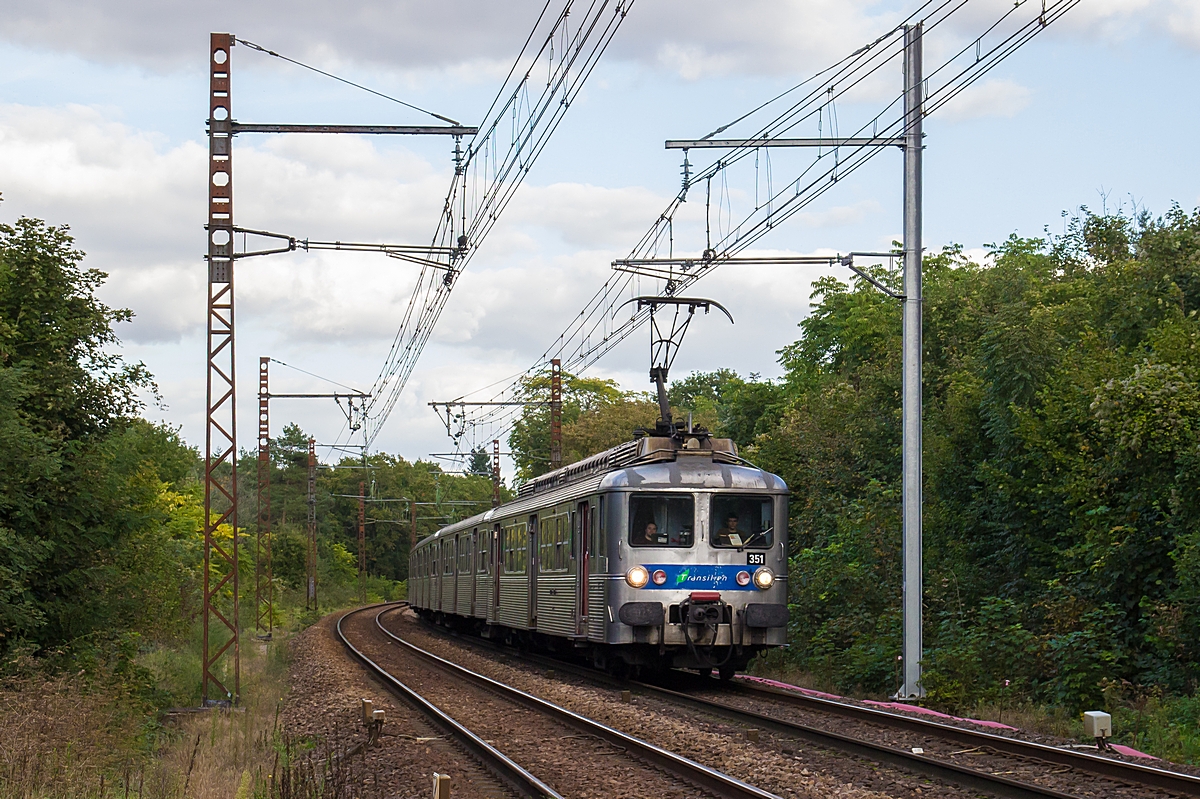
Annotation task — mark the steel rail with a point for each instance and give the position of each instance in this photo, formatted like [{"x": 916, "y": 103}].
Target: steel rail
[
  {"x": 1118, "y": 769},
  {"x": 1132, "y": 773},
  {"x": 696, "y": 773},
  {"x": 909, "y": 761},
  {"x": 492, "y": 759}
]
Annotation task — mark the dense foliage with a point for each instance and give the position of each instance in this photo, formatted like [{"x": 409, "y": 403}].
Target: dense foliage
[
  {"x": 101, "y": 512},
  {"x": 596, "y": 415},
  {"x": 391, "y": 526},
  {"x": 88, "y": 492},
  {"x": 1062, "y": 519}
]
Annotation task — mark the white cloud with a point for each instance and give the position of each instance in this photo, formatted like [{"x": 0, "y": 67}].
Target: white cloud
[
  {"x": 1184, "y": 23},
  {"x": 587, "y": 216},
  {"x": 137, "y": 208},
  {"x": 1112, "y": 21},
  {"x": 988, "y": 98},
  {"x": 471, "y": 40},
  {"x": 840, "y": 215}
]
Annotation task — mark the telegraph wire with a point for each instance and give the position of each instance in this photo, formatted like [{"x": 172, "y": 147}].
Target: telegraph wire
[
  {"x": 311, "y": 374},
  {"x": 262, "y": 49}
]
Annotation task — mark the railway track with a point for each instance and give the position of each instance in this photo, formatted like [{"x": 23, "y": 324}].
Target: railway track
[
  {"x": 529, "y": 725},
  {"x": 1170, "y": 782},
  {"x": 1006, "y": 767}
]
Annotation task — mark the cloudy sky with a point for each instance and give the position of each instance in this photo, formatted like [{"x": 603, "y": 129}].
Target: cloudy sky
[{"x": 102, "y": 108}]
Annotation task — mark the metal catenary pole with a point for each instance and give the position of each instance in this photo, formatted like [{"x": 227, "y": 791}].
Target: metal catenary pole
[
  {"x": 412, "y": 507},
  {"x": 555, "y": 413},
  {"x": 912, "y": 144},
  {"x": 495, "y": 473},
  {"x": 220, "y": 589},
  {"x": 912, "y": 357},
  {"x": 311, "y": 598},
  {"x": 362, "y": 541},
  {"x": 264, "y": 588}
]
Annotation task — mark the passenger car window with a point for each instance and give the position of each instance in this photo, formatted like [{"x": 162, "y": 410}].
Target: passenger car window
[
  {"x": 464, "y": 554},
  {"x": 661, "y": 521},
  {"x": 739, "y": 521},
  {"x": 481, "y": 563},
  {"x": 515, "y": 543}
]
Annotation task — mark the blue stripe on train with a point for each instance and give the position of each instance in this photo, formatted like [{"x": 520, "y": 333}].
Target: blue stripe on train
[{"x": 698, "y": 577}]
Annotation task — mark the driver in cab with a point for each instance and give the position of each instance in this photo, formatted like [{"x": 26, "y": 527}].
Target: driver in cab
[
  {"x": 649, "y": 535},
  {"x": 728, "y": 536}
]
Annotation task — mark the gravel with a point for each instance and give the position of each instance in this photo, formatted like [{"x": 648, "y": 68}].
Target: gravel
[
  {"x": 781, "y": 766},
  {"x": 323, "y": 707},
  {"x": 1028, "y": 770},
  {"x": 578, "y": 766}
]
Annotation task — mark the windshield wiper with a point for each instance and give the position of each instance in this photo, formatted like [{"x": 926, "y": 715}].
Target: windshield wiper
[{"x": 750, "y": 540}]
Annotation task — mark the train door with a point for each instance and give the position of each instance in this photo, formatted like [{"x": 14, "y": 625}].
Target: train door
[
  {"x": 494, "y": 611},
  {"x": 474, "y": 568},
  {"x": 435, "y": 578},
  {"x": 458, "y": 549},
  {"x": 583, "y": 562},
  {"x": 534, "y": 534}
]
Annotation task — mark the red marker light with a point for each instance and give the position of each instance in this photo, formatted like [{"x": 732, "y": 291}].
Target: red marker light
[
  {"x": 659, "y": 577},
  {"x": 743, "y": 578}
]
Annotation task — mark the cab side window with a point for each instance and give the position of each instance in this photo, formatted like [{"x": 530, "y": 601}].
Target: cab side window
[
  {"x": 662, "y": 520},
  {"x": 742, "y": 521}
]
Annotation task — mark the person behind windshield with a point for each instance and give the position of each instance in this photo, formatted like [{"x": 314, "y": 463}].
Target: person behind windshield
[
  {"x": 728, "y": 536},
  {"x": 649, "y": 535}
]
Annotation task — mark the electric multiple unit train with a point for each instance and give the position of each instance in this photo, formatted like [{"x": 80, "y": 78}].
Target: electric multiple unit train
[{"x": 663, "y": 552}]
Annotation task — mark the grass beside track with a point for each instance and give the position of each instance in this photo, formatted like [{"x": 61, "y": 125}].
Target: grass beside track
[{"x": 129, "y": 727}]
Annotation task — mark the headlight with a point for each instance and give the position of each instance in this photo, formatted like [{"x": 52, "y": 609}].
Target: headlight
[
  {"x": 637, "y": 577},
  {"x": 763, "y": 579},
  {"x": 659, "y": 577},
  {"x": 743, "y": 579}
]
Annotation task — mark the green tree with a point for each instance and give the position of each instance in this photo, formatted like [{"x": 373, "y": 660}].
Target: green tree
[
  {"x": 89, "y": 527},
  {"x": 529, "y": 440},
  {"x": 1060, "y": 463},
  {"x": 480, "y": 462}
]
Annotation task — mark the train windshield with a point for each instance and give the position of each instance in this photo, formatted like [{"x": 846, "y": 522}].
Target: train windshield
[
  {"x": 661, "y": 521},
  {"x": 742, "y": 521}
]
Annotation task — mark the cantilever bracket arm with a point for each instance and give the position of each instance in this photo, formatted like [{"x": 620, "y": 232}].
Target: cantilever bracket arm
[
  {"x": 418, "y": 254},
  {"x": 848, "y": 261}
]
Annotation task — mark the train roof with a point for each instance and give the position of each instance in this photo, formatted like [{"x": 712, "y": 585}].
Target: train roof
[{"x": 651, "y": 462}]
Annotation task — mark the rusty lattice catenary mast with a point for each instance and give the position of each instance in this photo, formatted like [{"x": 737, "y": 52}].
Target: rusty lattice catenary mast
[{"x": 221, "y": 667}]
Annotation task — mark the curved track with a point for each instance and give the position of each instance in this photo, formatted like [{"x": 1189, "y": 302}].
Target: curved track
[
  {"x": 1091, "y": 775},
  {"x": 520, "y": 706},
  {"x": 516, "y": 777}
]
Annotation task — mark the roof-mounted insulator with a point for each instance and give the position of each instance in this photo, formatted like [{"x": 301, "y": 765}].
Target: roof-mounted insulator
[{"x": 687, "y": 177}]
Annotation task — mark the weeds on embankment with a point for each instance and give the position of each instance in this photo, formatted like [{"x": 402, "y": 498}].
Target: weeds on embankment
[
  {"x": 125, "y": 723},
  {"x": 1143, "y": 717}
]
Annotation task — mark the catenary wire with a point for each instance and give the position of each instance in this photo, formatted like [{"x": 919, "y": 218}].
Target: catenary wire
[{"x": 581, "y": 356}]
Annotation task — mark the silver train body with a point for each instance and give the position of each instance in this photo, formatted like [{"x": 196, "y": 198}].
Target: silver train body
[{"x": 659, "y": 553}]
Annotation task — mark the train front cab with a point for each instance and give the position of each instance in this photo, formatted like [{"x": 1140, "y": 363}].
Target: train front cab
[{"x": 697, "y": 566}]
